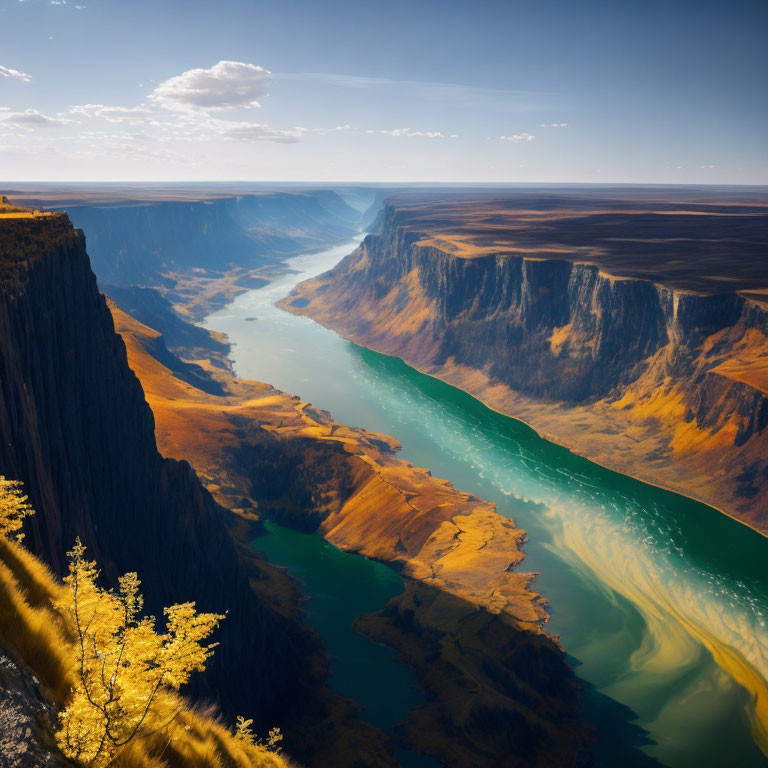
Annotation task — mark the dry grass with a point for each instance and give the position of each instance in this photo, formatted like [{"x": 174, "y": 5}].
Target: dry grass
[
  {"x": 35, "y": 634},
  {"x": 29, "y": 627},
  {"x": 197, "y": 738}
]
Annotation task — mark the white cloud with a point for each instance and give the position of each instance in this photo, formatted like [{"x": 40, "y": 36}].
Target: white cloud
[
  {"x": 112, "y": 114},
  {"x": 553, "y": 125},
  {"x": 122, "y": 128},
  {"x": 7, "y": 72},
  {"x": 226, "y": 85},
  {"x": 31, "y": 118},
  {"x": 409, "y": 132},
  {"x": 516, "y": 138},
  {"x": 326, "y": 131}
]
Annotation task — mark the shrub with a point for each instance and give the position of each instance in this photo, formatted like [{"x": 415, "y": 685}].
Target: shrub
[{"x": 123, "y": 665}]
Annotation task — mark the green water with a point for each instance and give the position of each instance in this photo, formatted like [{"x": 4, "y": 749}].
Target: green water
[
  {"x": 368, "y": 586},
  {"x": 636, "y": 577},
  {"x": 339, "y": 587}
]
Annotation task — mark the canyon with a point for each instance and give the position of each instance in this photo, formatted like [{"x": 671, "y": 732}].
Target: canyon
[
  {"x": 92, "y": 468},
  {"x": 195, "y": 230},
  {"x": 269, "y": 455},
  {"x": 536, "y": 304},
  {"x": 77, "y": 431},
  {"x": 631, "y": 327}
]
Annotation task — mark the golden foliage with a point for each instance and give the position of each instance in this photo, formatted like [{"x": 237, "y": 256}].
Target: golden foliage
[
  {"x": 123, "y": 665},
  {"x": 243, "y": 730},
  {"x": 37, "y": 627},
  {"x": 244, "y": 733},
  {"x": 13, "y": 507}
]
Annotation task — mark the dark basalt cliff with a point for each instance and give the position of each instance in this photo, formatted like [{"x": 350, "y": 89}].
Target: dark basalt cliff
[
  {"x": 75, "y": 428},
  {"x": 666, "y": 384}
]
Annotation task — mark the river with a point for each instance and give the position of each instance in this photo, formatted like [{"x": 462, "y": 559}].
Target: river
[{"x": 661, "y": 602}]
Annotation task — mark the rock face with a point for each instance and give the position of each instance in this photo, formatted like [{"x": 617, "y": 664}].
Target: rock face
[
  {"x": 27, "y": 720},
  {"x": 654, "y": 377},
  {"x": 75, "y": 428}
]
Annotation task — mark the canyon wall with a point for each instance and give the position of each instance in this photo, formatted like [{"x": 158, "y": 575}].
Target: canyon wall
[
  {"x": 76, "y": 430},
  {"x": 662, "y": 383}
]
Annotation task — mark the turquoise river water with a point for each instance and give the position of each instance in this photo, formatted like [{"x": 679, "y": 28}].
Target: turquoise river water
[{"x": 660, "y": 601}]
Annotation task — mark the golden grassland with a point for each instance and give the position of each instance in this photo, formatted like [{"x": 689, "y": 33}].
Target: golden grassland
[
  {"x": 38, "y": 638},
  {"x": 10, "y": 211}
]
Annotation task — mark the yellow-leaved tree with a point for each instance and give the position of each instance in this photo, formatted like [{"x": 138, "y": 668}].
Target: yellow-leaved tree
[
  {"x": 13, "y": 508},
  {"x": 124, "y": 667}
]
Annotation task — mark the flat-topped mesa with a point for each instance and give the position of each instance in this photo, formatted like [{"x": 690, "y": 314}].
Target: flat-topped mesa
[
  {"x": 695, "y": 240},
  {"x": 631, "y": 331}
]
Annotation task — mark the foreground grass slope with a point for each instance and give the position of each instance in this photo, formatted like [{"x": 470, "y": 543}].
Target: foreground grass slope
[{"x": 38, "y": 637}]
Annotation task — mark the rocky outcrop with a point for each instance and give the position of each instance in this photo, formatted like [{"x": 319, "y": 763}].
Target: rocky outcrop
[
  {"x": 76, "y": 430},
  {"x": 650, "y": 379},
  {"x": 27, "y": 720}
]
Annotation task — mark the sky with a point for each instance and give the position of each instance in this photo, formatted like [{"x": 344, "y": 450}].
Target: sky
[{"x": 635, "y": 91}]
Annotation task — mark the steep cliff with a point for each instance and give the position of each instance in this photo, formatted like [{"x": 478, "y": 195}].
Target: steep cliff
[
  {"x": 635, "y": 356},
  {"x": 75, "y": 428}
]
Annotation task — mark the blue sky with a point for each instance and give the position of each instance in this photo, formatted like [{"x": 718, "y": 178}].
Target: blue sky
[{"x": 584, "y": 90}]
